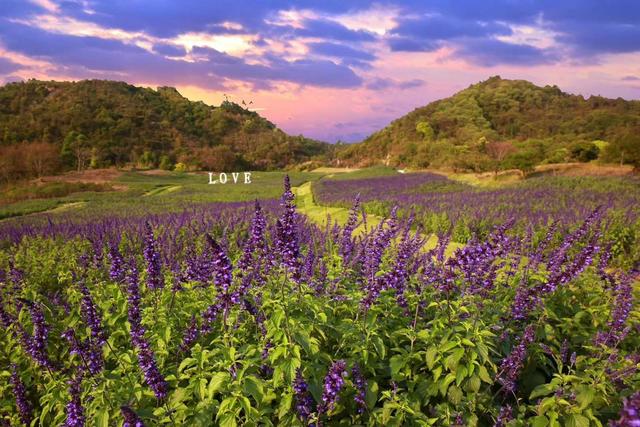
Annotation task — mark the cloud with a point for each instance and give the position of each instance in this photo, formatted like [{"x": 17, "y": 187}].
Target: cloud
[
  {"x": 169, "y": 50},
  {"x": 488, "y": 53},
  {"x": 340, "y": 51},
  {"x": 331, "y": 30},
  {"x": 7, "y": 66},
  {"x": 630, "y": 78},
  {"x": 382, "y": 83},
  {"x": 592, "y": 39},
  {"x": 98, "y": 57}
]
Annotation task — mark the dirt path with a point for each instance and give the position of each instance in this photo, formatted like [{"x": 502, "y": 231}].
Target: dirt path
[
  {"x": 162, "y": 190},
  {"x": 318, "y": 214}
]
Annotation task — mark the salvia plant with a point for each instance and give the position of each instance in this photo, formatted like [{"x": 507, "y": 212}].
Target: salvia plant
[{"x": 249, "y": 314}]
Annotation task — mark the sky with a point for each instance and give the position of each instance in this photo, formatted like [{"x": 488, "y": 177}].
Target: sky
[{"x": 328, "y": 69}]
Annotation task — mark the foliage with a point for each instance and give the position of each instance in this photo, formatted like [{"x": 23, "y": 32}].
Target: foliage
[
  {"x": 497, "y": 111},
  {"x": 110, "y": 123}
]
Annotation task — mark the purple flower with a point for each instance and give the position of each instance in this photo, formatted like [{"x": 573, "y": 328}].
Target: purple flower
[
  {"x": 302, "y": 397},
  {"x": 90, "y": 354},
  {"x": 191, "y": 334},
  {"x": 616, "y": 329},
  {"x": 333, "y": 383},
  {"x": 74, "y": 409},
  {"x": 505, "y": 415},
  {"x": 360, "y": 383},
  {"x": 374, "y": 250},
  {"x": 256, "y": 244},
  {"x": 36, "y": 344},
  {"x": 131, "y": 419},
  {"x": 512, "y": 364},
  {"x": 146, "y": 357},
  {"x": 19, "y": 391},
  {"x": 630, "y": 414},
  {"x": 155, "y": 280},
  {"x": 91, "y": 315},
  {"x": 6, "y": 319},
  {"x": 287, "y": 239},
  {"x": 117, "y": 268},
  {"x": 346, "y": 242},
  {"x": 223, "y": 275}
]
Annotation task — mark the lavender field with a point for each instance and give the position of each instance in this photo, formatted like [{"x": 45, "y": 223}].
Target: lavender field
[
  {"x": 534, "y": 206},
  {"x": 249, "y": 313}
]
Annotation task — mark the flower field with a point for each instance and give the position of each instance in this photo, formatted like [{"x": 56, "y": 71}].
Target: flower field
[
  {"x": 441, "y": 205},
  {"x": 247, "y": 313}
]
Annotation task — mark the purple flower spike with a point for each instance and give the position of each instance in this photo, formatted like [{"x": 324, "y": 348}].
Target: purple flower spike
[
  {"x": 19, "y": 391},
  {"x": 146, "y": 357},
  {"x": 117, "y": 268},
  {"x": 630, "y": 414},
  {"x": 303, "y": 400},
  {"x": 513, "y": 363},
  {"x": 360, "y": 383},
  {"x": 287, "y": 233},
  {"x": 155, "y": 280},
  {"x": 333, "y": 383},
  {"x": 74, "y": 409},
  {"x": 505, "y": 415},
  {"x": 131, "y": 419}
]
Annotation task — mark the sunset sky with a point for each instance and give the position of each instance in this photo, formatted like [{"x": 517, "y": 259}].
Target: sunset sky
[{"x": 332, "y": 70}]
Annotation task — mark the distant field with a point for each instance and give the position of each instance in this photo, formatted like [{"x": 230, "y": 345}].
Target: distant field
[{"x": 165, "y": 191}]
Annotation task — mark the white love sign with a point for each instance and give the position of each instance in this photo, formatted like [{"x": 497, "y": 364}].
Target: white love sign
[{"x": 231, "y": 178}]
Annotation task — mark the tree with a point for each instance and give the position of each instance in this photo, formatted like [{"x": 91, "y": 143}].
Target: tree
[
  {"x": 218, "y": 159},
  {"x": 626, "y": 149},
  {"x": 584, "y": 151},
  {"x": 498, "y": 151},
  {"x": 425, "y": 129},
  {"x": 40, "y": 158},
  {"x": 76, "y": 149},
  {"x": 11, "y": 163}
]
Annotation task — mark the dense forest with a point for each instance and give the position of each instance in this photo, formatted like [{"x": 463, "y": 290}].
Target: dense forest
[
  {"x": 48, "y": 127},
  {"x": 503, "y": 124}
]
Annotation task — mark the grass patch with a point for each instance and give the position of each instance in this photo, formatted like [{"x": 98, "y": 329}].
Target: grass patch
[{"x": 48, "y": 190}]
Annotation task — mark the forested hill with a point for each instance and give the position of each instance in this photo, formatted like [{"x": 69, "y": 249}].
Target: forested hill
[
  {"x": 102, "y": 123},
  {"x": 502, "y": 123}
]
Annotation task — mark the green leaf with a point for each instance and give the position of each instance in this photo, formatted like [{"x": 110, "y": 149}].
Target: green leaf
[
  {"x": 451, "y": 362},
  {"x": 102, "y": 419},
  {"x": 227, "y": 405},
  {"x": 484, "y": 375},
  {"x": 585, "y": 396},
  {"x": 396, "y": 363},
  {"x": 540, "y": 421},
  {"x": 253, "y": 387},
  {"x": 455, "y": 395},
  {"x": 431, "y": 354},
  {"x": 461, "y": 373},
  {"x": 474, "y": 383},
  {"x": 227, "y": 420},
  {"x": 202, "y": 388},
  {"x": 378, "y": 344},
  {"x": 218, "y": 381},
  {"x": 372, "y": 394},
  {"x": 444, "y": 385},
  {"x": 542, "y": 390},
  {"x": 285, "y": 405},
  {"x": 576, "y": 420}
]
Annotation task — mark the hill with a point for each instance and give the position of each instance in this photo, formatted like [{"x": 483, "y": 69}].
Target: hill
[
  {"x": 499, "y": 124},
  {"x": 47, "y": 125}
]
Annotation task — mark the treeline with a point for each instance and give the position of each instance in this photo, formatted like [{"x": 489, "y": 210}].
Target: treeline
[
  {"x": 96, "y": 123},
  {"x": 502, "y": 124}
]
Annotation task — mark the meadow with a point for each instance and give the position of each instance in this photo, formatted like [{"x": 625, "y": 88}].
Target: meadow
[{"x": 360, "y": 298}]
